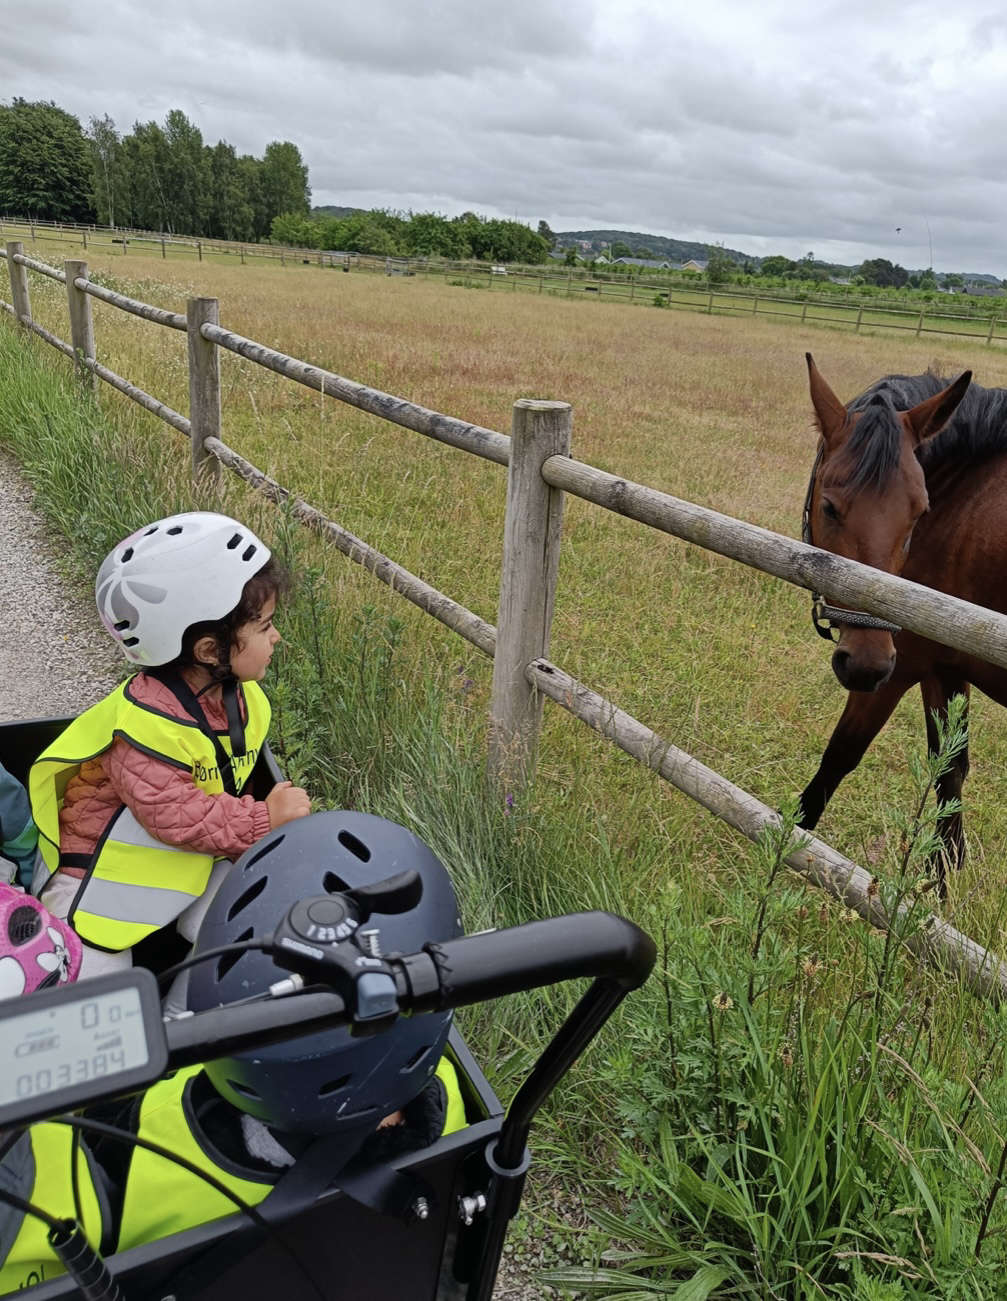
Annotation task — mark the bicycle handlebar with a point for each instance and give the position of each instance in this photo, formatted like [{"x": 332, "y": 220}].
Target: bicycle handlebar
[{"x": 457, "y": 973}]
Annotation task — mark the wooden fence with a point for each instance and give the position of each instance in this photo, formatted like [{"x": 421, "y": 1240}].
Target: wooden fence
[
  {"x": 982, "y": 320},
  {"x": 540, "y": 470}
]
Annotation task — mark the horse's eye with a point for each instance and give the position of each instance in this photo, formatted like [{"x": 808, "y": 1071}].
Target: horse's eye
[{"x": 828, "y": 510}]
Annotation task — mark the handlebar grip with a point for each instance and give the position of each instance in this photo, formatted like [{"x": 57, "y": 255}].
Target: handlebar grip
[{"x": 476, "y": 968}]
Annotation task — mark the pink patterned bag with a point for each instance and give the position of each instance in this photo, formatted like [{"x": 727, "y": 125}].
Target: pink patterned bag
[{"x": 37, "y": 950}]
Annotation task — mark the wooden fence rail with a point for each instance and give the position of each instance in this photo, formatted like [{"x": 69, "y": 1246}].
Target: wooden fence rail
[{"x": 540, "y": 472}]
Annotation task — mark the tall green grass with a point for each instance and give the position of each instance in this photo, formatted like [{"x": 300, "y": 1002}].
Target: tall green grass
[{"x": 791, "y": 1108}]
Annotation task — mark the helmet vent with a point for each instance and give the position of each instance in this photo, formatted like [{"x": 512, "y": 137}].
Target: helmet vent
[
  {"x": 266, "y": 849},
  {"x": 249, "y": 552},
  {"x": 333, "y": 884},
  {"x": 244, "y": 1091},
  {"x": 174, "y": 531},
  {"x": 243, "y": 900},
  {"x": 415, "y": 1060},
  {"x": 234, "y": 542},
  {"x": 121, "y": 626},
  {"x": 355, "y": 846},
  {"x": 153, "y": 529},
  {"x": 131, "y": 641},
  {"x": 228, "y": 960},
  {"x": 127, "y": 554},
  {"x": 23, "y": 924},
  {"x": 333, "y": 1086}
]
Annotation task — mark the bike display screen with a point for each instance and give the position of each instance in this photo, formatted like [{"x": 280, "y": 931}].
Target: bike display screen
[{"x": 67, "y": 1047}]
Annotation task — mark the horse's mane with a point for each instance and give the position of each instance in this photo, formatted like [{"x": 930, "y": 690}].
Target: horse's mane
[{"x": 977, "y": 429}]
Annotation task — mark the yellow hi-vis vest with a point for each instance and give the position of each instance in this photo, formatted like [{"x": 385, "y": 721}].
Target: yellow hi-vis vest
[
  {"x": 37, "y": 1168},
  {"x": 182, "y": 1199},
  {"x": 134, "y": 883}
]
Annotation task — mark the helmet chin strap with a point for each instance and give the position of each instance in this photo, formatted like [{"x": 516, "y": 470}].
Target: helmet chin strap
[{"x": 228, "y": 683}]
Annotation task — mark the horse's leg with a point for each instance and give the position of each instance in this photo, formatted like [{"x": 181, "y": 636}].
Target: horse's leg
[
  {"x": 865, "y": 715},
  {"x": 937, "y": 691}
]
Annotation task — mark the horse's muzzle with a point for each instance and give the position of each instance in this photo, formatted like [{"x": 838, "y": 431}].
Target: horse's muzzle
[{"x": 857, "y": 675}]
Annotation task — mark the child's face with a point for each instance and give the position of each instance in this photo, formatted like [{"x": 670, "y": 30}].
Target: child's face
[{"x": 253, "y": 645}]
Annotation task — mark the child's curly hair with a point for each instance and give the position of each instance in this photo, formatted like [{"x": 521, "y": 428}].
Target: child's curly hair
[{"x": 272, "y": 581}]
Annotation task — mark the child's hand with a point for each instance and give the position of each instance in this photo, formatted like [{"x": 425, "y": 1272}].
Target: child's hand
[{"x": 286, "y": 802}]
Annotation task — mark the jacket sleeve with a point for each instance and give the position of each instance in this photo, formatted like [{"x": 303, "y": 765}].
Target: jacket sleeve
[{"x": 165, "y": 802}]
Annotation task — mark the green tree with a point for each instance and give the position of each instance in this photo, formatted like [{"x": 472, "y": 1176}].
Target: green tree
[
  {"x": 570, "y": 257},
  {"x": 251, "y": 179},
  {"x": 644, "y": 251},
  {"x": 187, "y": 176},
  {"x": 231, "y": 212},
  {"x": 428, "y": 234},
  {"x": 109, "y": 169},
  {"x": 954, "y": 281},
  {"x": 294, "y": 230},
  {"x": 284, "y": 180},
  {"x": 776, "y": 265},
  {"x": 45, "y": 165},
  {"x": 619, "y": 249},
  {"x": 147, "y": 155},
  {"x": 719, "y": 265},
  {"x": 879, "y": 271},
  {"x": 547, "y": 234}
]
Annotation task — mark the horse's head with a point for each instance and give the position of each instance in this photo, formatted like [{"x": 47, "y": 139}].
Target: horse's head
[{"x": 866, "y": 496}]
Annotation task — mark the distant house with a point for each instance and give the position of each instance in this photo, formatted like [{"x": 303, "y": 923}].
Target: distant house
[
  {"x": 984, "y": 291},
  {"x": 694, "y": 265},
  {"x": 649, "y": 262}
]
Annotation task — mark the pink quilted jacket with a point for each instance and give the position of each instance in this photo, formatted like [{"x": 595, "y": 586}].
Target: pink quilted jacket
[{"x": 161, "y": 797}]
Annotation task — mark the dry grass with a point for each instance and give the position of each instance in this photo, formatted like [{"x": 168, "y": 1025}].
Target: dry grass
[{"x": 720, "y": 659}]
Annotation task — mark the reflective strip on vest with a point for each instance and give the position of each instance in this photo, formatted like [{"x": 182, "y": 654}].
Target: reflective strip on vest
[
  {"x": 136, "y": 884},
  {"x": 30, "y": 1259}
]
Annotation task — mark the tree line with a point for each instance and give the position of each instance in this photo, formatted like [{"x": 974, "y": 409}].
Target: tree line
[
  {"x": 415, "y": 234},
  {"x": 165, "y": 177},
  {"x": 159, "y": 176}
]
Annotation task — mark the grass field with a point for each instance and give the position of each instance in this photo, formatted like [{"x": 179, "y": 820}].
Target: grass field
[{"x": 719, "y": 659}]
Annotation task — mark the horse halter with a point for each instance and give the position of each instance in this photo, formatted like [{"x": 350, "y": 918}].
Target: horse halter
[{"x": 827, "y": 618}]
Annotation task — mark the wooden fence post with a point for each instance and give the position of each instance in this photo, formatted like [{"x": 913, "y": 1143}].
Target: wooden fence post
[
  {"x": 989, "y": 332},
  {"x": 81, "y": 321},
  {"x": 18, "y": 281},
  {"x": 85, "y": 240},
  {"x": 204, "y": 387},
  {"x": 532, "y": 529},
  {"x": 919, "y": 324},
  {"x": 860, "y": 317},
  {"x": 199, "y": 249}
]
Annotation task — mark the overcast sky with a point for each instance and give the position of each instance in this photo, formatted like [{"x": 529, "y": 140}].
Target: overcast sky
[{"x": 861, "y": 128}]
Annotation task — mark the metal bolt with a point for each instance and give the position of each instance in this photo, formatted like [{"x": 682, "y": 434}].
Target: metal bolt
[
  {"x": 421, "y": 1208},
  {"x": 469, "y": 1207}
]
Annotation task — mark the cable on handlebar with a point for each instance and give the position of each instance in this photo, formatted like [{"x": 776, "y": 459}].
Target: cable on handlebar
[
  {"x": 259, "y": 1220},
  {"x": 240, "y": 946},
  {"x": 29, "y": 1208}
]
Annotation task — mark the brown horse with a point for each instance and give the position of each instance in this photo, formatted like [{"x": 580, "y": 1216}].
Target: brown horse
[{"x": 911, "y": 478}]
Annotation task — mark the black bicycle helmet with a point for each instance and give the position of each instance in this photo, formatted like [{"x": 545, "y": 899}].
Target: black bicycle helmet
[{"x": 327, "y": 1082}]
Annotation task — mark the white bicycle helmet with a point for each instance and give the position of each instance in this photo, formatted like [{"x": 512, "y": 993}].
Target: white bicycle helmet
[{"x": 178, "y": 571}]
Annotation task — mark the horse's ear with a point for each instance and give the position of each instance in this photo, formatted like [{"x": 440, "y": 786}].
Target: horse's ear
[
  {"x": 930, "y": 417},
  {"x": 830, "y": 414}
]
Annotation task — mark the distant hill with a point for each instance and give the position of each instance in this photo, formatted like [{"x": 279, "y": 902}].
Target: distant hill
[
  {"x": 333, "y": 210},
  {"x": 675, "y": 250}
]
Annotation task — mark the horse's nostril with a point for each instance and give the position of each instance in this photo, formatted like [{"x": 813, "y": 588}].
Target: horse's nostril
[{"x": 840, "y": 659}]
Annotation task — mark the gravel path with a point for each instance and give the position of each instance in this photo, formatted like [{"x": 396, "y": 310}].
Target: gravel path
[{"x": 54, "y": 657}]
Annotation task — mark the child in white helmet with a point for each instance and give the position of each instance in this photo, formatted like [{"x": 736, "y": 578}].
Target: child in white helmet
[{"x": 142, "y": 795}]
